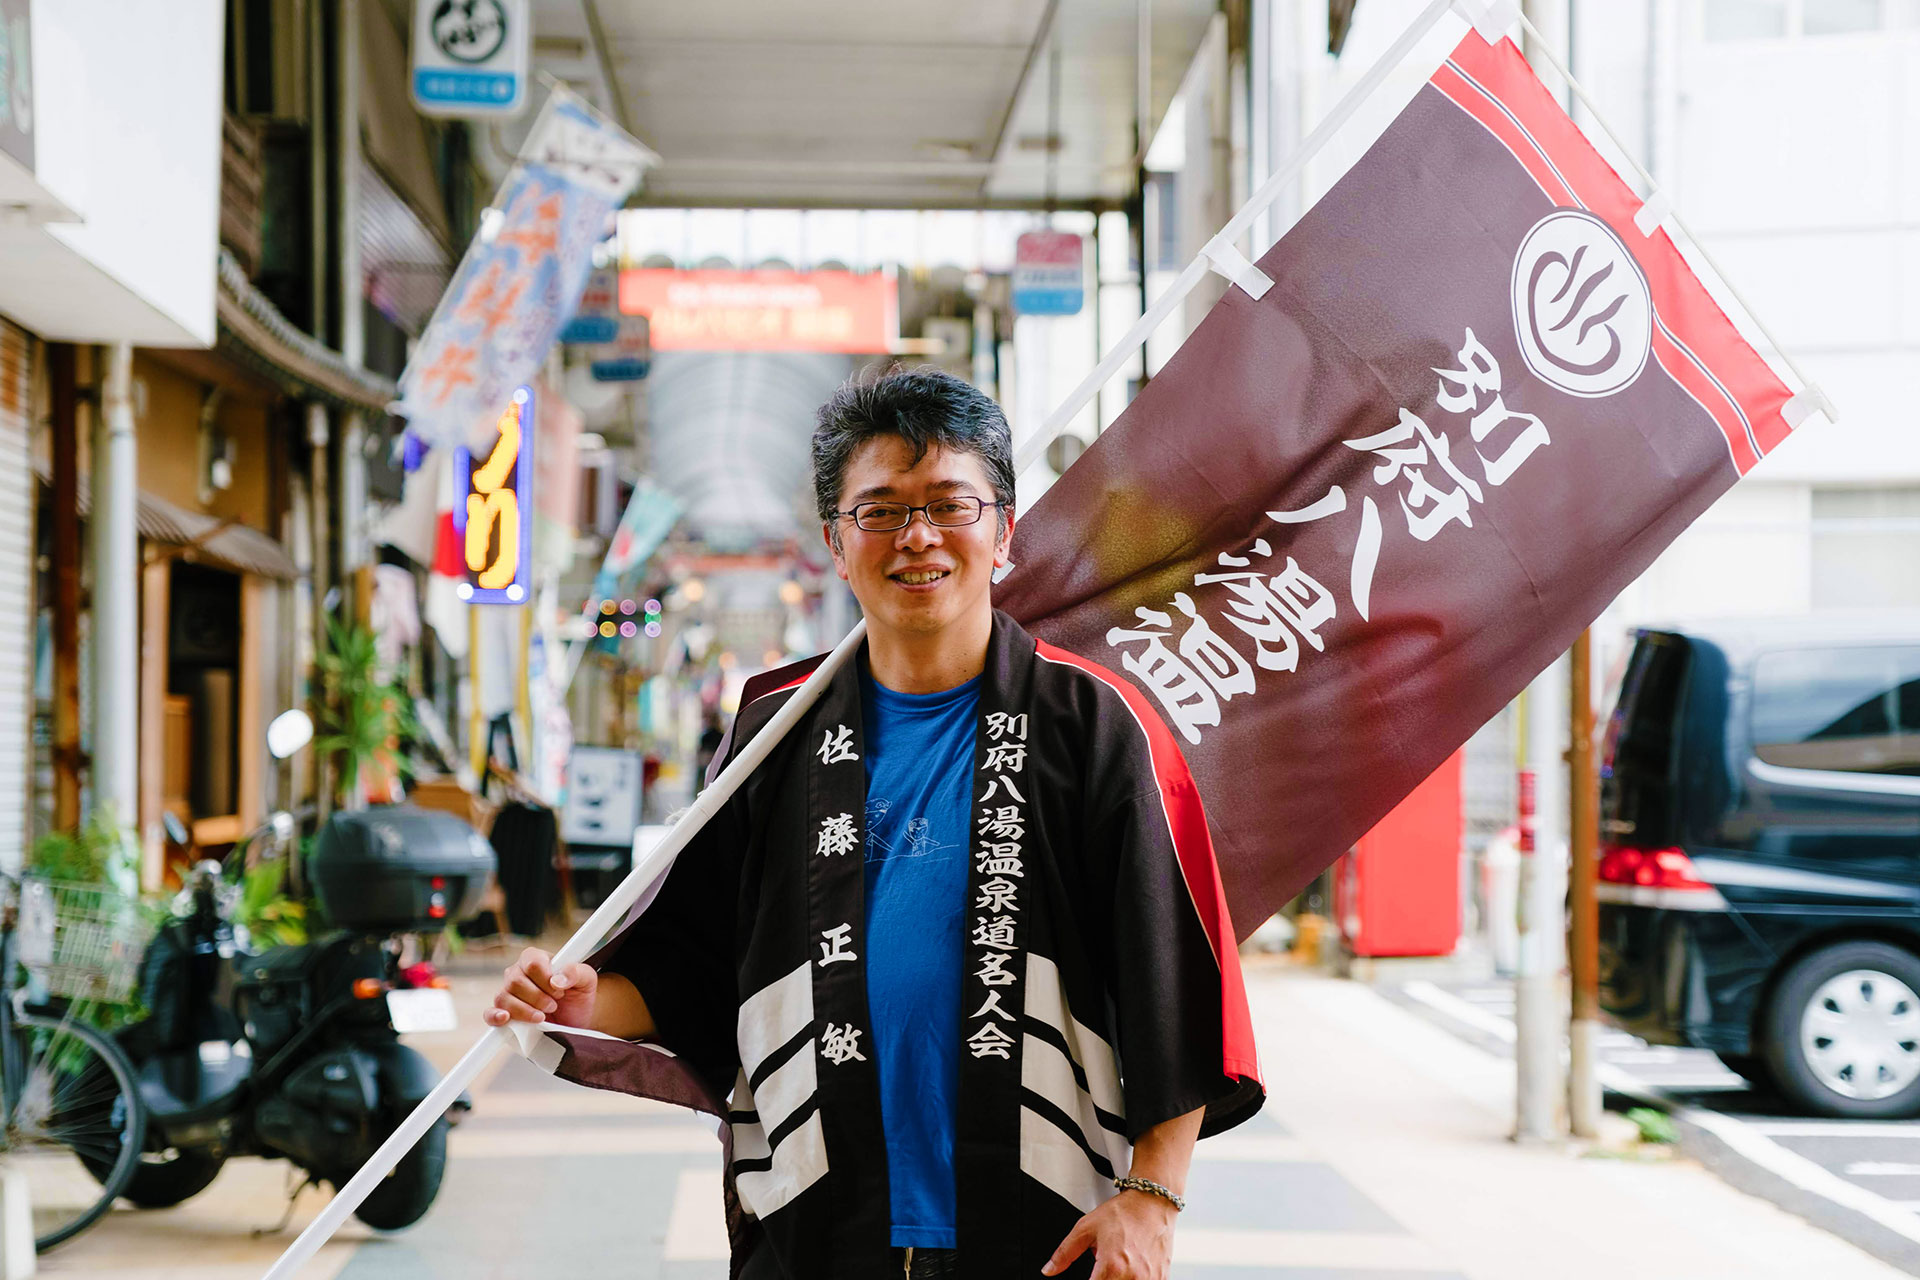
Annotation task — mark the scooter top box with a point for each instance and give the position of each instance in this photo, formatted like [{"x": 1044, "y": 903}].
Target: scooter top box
[{"x": 397, "y": 868}]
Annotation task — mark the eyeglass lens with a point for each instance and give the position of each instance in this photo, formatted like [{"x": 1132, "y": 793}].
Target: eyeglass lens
[{"x": 885, "y": 517}]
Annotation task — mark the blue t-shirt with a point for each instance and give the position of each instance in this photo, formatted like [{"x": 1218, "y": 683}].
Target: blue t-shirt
[{"x": 919, "y": 759}]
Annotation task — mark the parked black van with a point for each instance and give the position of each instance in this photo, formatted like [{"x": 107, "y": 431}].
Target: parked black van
[{"x": 1760, "y": 854}]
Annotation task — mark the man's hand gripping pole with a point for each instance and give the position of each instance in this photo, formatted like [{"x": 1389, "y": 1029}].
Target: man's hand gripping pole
[{"x": 589, "y": 935}]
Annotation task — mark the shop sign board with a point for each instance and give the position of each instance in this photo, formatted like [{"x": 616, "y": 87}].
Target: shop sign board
[
  {"x": 495, "y": 523},
  {"x": 470, "y": 56},
  {"x": 597, "y": 318},
  {"x": 629, "y": 357},
  {"x": 1049, "y": 273},
  {"x": 714, "y": 310},
  {"x": 619, "y": 348},
  {"x": 16, "y": 80}
]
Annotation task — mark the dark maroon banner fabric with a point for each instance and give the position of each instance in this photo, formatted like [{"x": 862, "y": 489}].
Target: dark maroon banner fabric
[{"x": 1349, "y": 521}]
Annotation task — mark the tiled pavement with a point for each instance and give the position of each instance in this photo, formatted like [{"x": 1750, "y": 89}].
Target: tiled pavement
[
  {"x": 1381, "y": 1156},
  {"x": 545, "y": 1174}
]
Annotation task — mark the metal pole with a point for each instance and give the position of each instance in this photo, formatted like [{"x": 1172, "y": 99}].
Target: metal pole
[
  {"x": 319, "y": 500},
  {"x": 116, "y": 618},
  {"x": 477, "y": 743},
  {"x": 64, "y": 401},
  {"x": 1583, "y": 943},
  {"x": 1540, "y": 1093}
]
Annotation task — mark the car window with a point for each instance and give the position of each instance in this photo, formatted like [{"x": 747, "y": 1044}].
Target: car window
[
  {"x": 1851, "y": 710},
  {"x": 1641, "y": 734}
]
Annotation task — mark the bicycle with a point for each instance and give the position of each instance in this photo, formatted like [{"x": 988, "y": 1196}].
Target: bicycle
[{"x": 73, "y": 1119}]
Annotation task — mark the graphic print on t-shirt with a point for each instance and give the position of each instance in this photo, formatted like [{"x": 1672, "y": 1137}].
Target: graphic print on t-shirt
[{"x": 916, "y": 841}]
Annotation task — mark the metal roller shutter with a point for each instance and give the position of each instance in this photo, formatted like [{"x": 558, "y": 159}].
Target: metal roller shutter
[{"x": 16, "y": 589}]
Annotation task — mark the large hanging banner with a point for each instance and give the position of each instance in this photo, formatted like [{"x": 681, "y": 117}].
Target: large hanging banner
[
  {"x": 1353, "y": 518},
  {"x": 522, "y": 275}
]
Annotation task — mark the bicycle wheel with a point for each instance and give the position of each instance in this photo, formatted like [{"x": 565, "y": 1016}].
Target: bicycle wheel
[{"x": 71, "y": 1102}]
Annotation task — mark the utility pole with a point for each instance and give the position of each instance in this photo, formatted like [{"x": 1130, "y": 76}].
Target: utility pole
[
  {"x": 116, "y": 603},
  {"x": 1583, "y": 931},
  {"x": 1540, "y": 1000},
  {"x": 1539, "y": 1005}
]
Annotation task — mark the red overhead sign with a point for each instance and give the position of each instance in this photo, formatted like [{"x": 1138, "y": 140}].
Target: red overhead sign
[{"x": 764, "y": 310}]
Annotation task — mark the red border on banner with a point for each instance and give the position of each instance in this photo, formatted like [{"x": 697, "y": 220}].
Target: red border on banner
[
  {"x": 1193, "y": 846},
  {"x": 1713, "y": 363}
]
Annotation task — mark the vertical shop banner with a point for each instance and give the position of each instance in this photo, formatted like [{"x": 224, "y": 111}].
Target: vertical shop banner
[
  {"x": 523, "y": 274},
  {"x": 1352, "y": 518},
  {"x": 494, "y": 523}
]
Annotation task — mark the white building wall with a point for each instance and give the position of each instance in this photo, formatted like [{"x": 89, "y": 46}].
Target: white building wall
[{"x": 127, "y": 106}]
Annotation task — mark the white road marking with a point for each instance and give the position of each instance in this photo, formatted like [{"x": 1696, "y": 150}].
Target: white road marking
[
  {"x": 1882, "y": 1169},
  {"x": 1833, "y": 1128},
  {"x": 1809, "y": 1176},
  {"x": 697, "y": 1225},
  {"x": 1740, "y": 1136}
]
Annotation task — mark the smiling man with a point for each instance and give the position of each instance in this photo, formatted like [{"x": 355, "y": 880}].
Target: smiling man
[{"x": 956, "y": 955}]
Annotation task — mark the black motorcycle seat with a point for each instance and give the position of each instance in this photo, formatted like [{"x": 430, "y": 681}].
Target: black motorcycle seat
[{"x": 195, "y": 1085}]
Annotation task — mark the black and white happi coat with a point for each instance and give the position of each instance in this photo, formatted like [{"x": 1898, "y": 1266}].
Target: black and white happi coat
[{"x": 1101, "y": 988}]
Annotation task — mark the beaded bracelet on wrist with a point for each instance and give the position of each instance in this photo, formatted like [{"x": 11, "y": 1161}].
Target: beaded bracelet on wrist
[{"x": 1152, "y": 1188}]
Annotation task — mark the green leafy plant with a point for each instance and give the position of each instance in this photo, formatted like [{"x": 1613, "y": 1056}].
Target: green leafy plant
[
  {"x": 270, "y": 917},
  {"x": 363, "y": 714},
  {"x": 1655, "y": 1126},
  {"x": 101, "y": 852}
]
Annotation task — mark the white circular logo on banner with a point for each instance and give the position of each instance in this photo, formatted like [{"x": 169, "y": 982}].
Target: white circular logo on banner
[{"x": 1581, "y": 306}]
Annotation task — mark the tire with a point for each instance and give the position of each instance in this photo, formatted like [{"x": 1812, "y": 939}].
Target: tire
[
  {"x": 1750, "y": 1066},
  {"x": 1842, "y": 1032},
  {"x": 74, "y": 1123},
  {"x": 160, "y": 1181},
  {"x": 403, "y": 1197}
]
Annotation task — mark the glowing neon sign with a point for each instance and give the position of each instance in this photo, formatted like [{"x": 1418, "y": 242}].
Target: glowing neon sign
[{"x": 495, "y": 522}]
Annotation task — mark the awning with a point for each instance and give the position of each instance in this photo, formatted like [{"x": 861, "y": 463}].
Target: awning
[
  {"x": 205, "y": 539},
  {"x": 254, "y": 334}
]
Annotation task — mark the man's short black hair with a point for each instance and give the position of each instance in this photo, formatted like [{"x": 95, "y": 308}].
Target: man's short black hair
[{"x": 925, "y": 407}]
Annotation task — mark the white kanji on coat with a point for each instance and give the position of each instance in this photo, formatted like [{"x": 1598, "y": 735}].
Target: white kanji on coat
[
  {"x": 837, "y": 836},
  {"x": 989, "y": 1041},
  {"x": 841, "y": 1044},
  {"x": 993, "y": 971},
  {"x": 835, "y": 950},
  {"x": 993, "y": 931},
  {"x": 991, "y": 1007},
  {"x": 998, "y": 895},
  {"x": 837, "y": 745}
]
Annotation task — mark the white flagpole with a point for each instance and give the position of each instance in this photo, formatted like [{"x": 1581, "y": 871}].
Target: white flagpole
[
  {"x": 604, "y": 918},
  {"x": 637, "y": 881}
]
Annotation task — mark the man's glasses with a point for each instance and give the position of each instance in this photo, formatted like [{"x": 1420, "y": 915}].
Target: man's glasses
[{"x": 886, "y": 517}]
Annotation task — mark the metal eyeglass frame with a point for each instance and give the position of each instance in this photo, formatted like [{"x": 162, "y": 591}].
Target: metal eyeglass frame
[{"x": 925, "y": 509}]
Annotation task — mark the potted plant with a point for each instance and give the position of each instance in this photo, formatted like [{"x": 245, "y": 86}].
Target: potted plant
[{"x": 362, "y": 715}]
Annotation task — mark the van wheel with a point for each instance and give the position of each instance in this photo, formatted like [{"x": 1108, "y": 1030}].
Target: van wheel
[
  {"x": 1752, "y": 1067},
  {"x": 1843, "y": 1031}
]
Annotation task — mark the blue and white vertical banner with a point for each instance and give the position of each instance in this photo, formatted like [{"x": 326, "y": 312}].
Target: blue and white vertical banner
[{"x": 522, "y": 274}]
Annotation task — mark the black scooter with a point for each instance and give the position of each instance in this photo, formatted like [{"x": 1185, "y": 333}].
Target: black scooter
[{"x": 290, "y": 1053}]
